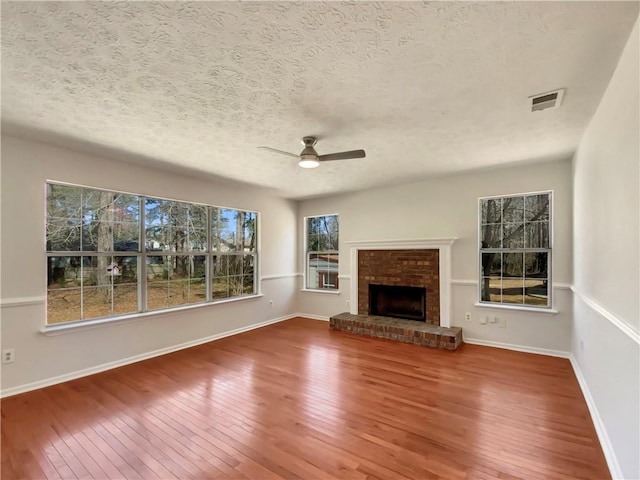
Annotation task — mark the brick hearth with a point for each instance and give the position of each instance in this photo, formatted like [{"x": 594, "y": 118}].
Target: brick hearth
[{"x": 407, "y": 331}]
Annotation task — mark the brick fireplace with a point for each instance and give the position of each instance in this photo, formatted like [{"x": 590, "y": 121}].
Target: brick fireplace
[
  {"x": 413, "y": 263},
  {"x": 401, "y": 270},
  {"x": 414, "y": 277}
]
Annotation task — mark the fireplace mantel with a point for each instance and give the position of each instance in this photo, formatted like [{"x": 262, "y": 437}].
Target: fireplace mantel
[{"x": 443, "y": 245}]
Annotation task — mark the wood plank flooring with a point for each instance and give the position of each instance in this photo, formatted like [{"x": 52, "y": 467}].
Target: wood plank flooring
[{"x": 297, "y": 401}]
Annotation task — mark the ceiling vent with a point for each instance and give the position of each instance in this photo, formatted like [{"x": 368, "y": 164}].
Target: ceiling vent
[{"x": 544, "y": 101}]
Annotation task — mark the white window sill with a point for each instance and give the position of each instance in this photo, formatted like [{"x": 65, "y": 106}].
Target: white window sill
[
  {"x": 321, "y": 290},
  {"x": 50, "y": 330},
  {"x": 498, "y": 306}
]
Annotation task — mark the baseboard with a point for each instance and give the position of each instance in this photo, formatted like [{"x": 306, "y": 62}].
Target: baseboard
[
  {"x": 136, "y": 358},
  {"x": 518, "y": 348},
  {"x": 312, "y": 316},
  {"x": 605, "y": 443}
]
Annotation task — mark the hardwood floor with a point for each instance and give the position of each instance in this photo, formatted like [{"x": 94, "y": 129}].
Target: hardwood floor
[{"x": 295, "y": 400}]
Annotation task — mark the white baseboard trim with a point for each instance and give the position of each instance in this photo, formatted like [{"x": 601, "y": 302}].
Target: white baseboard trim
[
  {"x": 312, "y": 316},
  {"x": 605, "y": 443},
  {"x": 135, "y": 358},
  {"x": 517, "y": 348}
]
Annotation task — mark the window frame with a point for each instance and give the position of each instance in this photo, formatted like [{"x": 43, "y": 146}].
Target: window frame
[
  {"x": 307, "y": 253},
  {"x": 549, "y": 307},
  {"x": 142, "y": 255}
]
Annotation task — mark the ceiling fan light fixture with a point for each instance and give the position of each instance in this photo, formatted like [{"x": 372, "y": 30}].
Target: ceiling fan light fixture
[
  {"x": 309, "y": 158},
  {"x": 308, "y": 161}
]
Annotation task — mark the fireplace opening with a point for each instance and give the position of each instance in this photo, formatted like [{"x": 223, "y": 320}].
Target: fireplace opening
[{"x": 399, "y": 302}]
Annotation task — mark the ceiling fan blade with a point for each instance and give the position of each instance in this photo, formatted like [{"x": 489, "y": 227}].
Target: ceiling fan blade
[
  {"x": 282, "y": 152},
  {"x": 342, "y": 155}
]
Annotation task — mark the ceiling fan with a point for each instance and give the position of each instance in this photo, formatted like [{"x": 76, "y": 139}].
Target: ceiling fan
[{"x": 309, "y": 158}]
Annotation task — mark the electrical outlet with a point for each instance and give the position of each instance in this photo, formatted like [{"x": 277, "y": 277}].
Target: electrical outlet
[
  {"x": 483, "y": 320},
  {"x": 270, "y": 303},
  {"x": 493, "y": 319},
  {"x": 8, "y": 355},
  {"x": 348, "y": 303},
  {"x": 467, "y": 316}
]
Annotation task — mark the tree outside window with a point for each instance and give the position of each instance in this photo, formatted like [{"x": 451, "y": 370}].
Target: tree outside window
[
  {"x": 515, "y": 250},
  {"x": 112, "y": 253},
  {"x": 322, "y": 252}
]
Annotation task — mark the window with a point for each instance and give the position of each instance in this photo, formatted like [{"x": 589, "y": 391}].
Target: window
[
  {"x": 515, "y": 250},
  {"x": 321, "y": 239},
  {"x": 233, "y": 245},
  {"x": 112, "y": 254}
]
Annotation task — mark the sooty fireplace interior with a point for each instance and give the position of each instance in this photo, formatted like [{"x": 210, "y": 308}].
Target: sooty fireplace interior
[{"x": 399, "y": 302}]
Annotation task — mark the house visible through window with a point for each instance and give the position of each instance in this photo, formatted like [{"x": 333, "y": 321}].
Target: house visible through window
[
  {"x": 322, "y": 252},
  {"x": 112, "y": 254},
  {"x": 515, "y": 250}
]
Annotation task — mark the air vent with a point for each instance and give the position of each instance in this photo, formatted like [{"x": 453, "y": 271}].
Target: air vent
[{"x": 544, "y": 101}]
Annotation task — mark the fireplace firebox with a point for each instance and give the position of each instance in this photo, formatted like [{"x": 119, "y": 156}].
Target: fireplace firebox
[{"x": 398, "y": 301}]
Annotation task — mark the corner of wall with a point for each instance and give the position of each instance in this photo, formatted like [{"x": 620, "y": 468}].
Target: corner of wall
[{"x": 605, "y": 332}]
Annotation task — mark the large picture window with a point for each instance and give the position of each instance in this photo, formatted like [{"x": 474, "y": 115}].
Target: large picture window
[
  {"x": 111, "y": 254},
  {"x": 515, "y": 250},
  {"x": 321, "y": 252}
]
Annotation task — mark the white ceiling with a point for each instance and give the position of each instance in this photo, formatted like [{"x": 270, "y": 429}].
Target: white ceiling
[{"x": 424, "y": 88}]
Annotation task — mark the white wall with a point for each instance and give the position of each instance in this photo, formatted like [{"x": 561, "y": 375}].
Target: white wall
[
  {"x": 607, "y": 269},
  {"x": 39, "y": 358},
  {"x": 448, "y": 207}
]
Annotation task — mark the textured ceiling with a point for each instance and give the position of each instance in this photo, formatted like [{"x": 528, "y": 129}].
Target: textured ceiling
[{"x": 424, "y": 88}]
